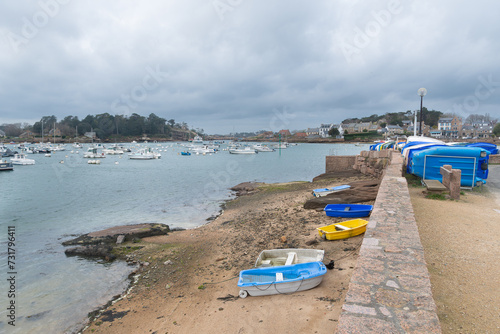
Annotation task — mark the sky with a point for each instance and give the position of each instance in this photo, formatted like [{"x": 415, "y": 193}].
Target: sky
[{"x": 242, "y": 66}]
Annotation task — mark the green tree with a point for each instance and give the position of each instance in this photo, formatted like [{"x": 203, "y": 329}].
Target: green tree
[
  {"x": 155, "y": 125},
  {"x": 333, "y": 132},
  {"x": 431, "y": 117},
  {"x": 136, "y": 125},
  {"x": 105, "y": 125},
  {"x": 46, "y": 122},
  {"x": 496, "y": 129}
]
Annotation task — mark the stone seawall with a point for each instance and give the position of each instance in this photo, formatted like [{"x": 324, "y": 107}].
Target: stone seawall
[
  {"x": 494, "y": 159},
  {"x": 390, "y": 289},
  {"x": 338, "y": 163}
]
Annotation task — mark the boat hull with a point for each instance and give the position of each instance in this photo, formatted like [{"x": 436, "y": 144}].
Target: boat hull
[
  {"x": 332, "y": 232},
  {"x": 6, "y": 166},
  {"x": 281, "y": 279},
  {"x": 348, "y": 210},
  {"x": 472, "y": 161}
]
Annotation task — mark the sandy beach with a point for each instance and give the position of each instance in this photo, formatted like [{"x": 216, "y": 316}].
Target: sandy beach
[{"x": 190, "y": 284}]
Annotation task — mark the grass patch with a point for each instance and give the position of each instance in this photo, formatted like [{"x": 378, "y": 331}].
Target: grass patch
[
  {"x": 413, "y": 181},
  {"x": 125, "y": 250},
  {"x": 277, "y": 187},
  {"x": 440, "y": 197}
]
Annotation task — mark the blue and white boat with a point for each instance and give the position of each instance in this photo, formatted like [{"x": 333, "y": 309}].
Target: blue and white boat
[
  {"x": 6, "y": 165},
  {"x": 280, "y": 279},
  {"x": 325, "y": 191},
  {"x": 472, "y": 161},
  {"x": 348, "y": 210}
]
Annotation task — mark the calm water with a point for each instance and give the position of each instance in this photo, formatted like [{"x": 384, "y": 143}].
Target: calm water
[{"x": 51, "y": 202}]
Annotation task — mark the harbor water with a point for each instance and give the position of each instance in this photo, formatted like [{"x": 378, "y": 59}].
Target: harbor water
[{"x": 62, "y": 196}]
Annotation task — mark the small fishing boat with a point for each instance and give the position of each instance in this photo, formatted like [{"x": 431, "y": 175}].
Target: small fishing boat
[
  {"x": 20, "y": 159},
  {"x": 281, "y": 279},
  {"x": 242, "y": 150},
  {"x": 93, "y": 154},
  {"x": 288, "y": 256},
  {"x": 6, "y": 165},
  {"x": 343, "y": 230},
  {"x": 262, "y": 148},
  {"x": 325, "y": 191},
  {"x": 185, "y": 153},
  {"x": 348, "y": 210}
]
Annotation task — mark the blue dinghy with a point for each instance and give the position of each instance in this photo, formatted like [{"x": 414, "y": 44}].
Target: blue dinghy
[
  {"x": 325, "y": 191},
  {"x": 348, "y": 210},
  {"x": 281, "y": 279}
]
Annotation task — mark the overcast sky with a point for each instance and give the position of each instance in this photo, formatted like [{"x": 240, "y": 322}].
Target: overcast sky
[{"x": 241, "y": 65}]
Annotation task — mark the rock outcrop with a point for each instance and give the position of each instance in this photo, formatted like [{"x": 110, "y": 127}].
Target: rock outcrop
[
  {"x": 100, "y": 244},
  {"x": 110, "y": 235}
]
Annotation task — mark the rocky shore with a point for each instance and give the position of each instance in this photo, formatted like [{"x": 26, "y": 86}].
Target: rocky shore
[
  {"x": 104, "y": 244},
  {"x": 189, "y": 282}
]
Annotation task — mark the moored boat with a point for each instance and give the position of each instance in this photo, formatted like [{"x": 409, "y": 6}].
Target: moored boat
[
  {"x": 262, "y": 148},
  {"x": 93, "y": 154},
  {"x": 144, "y": 154},
  {"x": 343, "y": 230},
  {"x": 243, "y": 150},
  {"x": 348, "y": 210},
  {"x": 6, "y": 165},
  {"x": 288, "y": 256},
  {"x": 20, "y": 159},
  {"x": 281, "y": 279}
]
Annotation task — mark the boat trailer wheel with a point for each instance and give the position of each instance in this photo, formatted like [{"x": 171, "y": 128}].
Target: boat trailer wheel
[{"x": 243, "y": 294}]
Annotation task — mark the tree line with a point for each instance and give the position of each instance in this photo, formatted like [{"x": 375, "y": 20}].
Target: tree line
[{"x": 105, "y": 126}]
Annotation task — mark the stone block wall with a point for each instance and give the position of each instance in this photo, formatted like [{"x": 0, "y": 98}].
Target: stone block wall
[
  {"x": 372, "y": 162},
  {"x": 494, "y": 159},
  {"x": 337, "y": 163}
]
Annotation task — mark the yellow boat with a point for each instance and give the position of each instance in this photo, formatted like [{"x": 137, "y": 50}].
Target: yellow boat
[{"x": 343, "y": 230}]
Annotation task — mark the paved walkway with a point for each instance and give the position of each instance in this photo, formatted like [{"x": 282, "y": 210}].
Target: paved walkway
[{"x": 390, "y": 290}]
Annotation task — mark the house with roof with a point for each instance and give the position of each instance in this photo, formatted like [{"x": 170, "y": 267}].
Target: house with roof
[
  {"x": 394, "y": 130},
  {"x": 324, "y": 129},
  {"x": 285, "y": 133},
  {"x": 484, "y": 131},
  {"x": 27, "y": 134},
  {"x": 450, "y": 127},
  {"x": 312, "y": 133},
  {"x": 425, "y": 129},
  {"x": 55, "y": 132}
]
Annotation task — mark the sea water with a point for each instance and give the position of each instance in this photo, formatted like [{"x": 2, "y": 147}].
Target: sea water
[{"x": 62, "y": 196}]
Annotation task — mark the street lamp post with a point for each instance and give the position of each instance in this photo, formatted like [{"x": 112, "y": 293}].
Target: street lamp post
[{"x": 421, "y": 92}]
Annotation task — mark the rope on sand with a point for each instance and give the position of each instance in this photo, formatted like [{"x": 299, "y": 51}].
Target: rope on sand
[{"x": 202, "y": 286}]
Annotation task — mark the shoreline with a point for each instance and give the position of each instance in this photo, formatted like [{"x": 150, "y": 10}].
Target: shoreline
[{"x": 222, "y": 238}]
